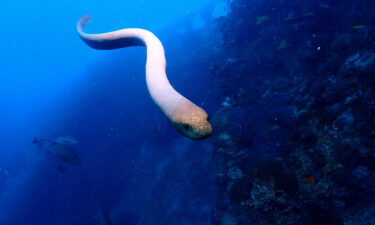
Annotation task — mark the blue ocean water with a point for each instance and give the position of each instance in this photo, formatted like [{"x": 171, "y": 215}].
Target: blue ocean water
[
  {"x": 288, "y": 87},
  {"x": 133, "y": 162}
]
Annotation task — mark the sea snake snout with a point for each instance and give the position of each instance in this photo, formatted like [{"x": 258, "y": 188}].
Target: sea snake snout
[
  {"x": 188, "y": 118},
  {"x": 194, "y": 124}
]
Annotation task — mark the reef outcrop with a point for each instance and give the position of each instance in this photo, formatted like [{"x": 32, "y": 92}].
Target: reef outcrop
[{"x": 295, "y": 138}]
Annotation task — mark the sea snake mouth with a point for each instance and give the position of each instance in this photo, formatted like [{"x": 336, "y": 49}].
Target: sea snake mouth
[{"x": 188, "y": 118}]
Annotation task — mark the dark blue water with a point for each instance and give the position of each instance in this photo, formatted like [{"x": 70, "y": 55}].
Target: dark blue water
[{"x": 288, "y": 86}]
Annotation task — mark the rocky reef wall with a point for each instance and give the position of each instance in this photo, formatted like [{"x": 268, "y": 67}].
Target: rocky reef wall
[{"x": 295, "y": 139}]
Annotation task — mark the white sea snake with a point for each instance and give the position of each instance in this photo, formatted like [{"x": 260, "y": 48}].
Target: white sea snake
[{"x": 188, "y": 118}]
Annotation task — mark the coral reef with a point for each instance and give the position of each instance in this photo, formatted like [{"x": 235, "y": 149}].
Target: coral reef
[{"x": 295, "y": 138}]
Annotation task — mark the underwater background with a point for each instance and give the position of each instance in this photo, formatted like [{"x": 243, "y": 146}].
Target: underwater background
[{"x": 288, "y": 85}]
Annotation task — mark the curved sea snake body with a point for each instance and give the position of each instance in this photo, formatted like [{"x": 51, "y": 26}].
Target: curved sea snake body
[{"x": 188, "y": 118}]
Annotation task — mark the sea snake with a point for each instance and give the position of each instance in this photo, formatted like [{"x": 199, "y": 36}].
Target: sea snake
[{"x": 188, "y": 118}]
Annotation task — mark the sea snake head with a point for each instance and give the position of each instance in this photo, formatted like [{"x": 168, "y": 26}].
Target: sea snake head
[{"x": 194, "y": 125}]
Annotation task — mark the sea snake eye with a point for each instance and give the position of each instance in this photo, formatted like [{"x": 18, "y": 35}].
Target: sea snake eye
[{"x": 186, "y": 126}]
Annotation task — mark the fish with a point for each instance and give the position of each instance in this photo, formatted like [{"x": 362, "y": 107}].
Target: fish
[
  {"x": 62, "y": 152},
  {"x": 66, "y": 140}
]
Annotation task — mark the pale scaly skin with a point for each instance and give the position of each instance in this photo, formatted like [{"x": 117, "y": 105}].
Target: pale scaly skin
[{"x": 188, "y": 118}]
